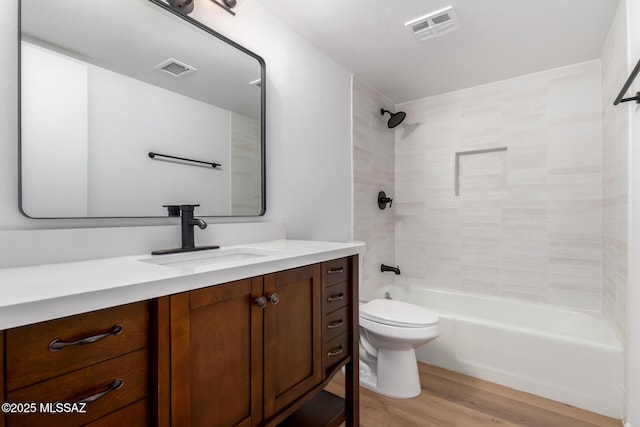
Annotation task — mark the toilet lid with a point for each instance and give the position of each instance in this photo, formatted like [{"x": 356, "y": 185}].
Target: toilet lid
[{"x": 397, "y": 313}]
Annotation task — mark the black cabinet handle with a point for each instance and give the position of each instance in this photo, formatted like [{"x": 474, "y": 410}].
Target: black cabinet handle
[
  {"x": 336, "y": 297},
  {"x": 335, "y": 324},
  {"x": 115, "y": 385},
  {"x": 336, "y": 351},
  {"x": 261, "y": 302},
  {"x": 336, "y": 270},
  {"x": 58, "y": 344},
  {"x": 274, "y": 299}
]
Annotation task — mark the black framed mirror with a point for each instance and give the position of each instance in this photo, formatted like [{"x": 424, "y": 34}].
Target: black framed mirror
[{"x": 127, "y": 105}]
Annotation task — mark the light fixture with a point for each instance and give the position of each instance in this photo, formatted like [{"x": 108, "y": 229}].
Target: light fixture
[
  {"x": 182, "y": 6},
  {"x": 186, "y": 6},
  {"x": 227, "y": 5}
]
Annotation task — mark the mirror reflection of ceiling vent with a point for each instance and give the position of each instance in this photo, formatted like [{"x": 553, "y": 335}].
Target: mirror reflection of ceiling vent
[
  {"x": 175, "y": 67},
  {"x": 434, "y": 24}
]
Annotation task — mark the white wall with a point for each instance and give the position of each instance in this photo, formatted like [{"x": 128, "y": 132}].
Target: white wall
[
  {"x": 308, "y": 127},
  {"x": 128, "y": 118},
  {"x": 633, "y": 367},
  {"x": 54, "y": 155},
  {"x": 308, "y": 123},
  {"x": 87, "y": 132}
]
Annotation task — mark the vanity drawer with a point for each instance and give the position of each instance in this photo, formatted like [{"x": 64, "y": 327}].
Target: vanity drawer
[
  {"x": 98, "y": 382},
  {"x": 29, "y": 358},
  {"x": 134, "y": 415},
  {"x": 335, "y": 351},
  {"x": 335, "y": 323},
  {"x": 336, "y": 271},
  {"x": 335, "y": 297}
]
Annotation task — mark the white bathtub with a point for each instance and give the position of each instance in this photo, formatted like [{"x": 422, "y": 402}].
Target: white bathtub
[{"x": 562, "y": 354}]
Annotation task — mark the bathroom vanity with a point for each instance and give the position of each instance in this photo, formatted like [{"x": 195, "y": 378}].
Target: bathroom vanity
[{"x": 247, "y": 336}]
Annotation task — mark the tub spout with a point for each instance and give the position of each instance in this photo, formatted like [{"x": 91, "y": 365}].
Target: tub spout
[{"x": 384, "y": 268}]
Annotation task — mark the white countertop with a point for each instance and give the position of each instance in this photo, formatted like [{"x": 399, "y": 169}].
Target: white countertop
[{"x": 49, "y": 291}]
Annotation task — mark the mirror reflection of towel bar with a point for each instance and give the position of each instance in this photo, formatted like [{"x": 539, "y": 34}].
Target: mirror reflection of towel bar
[
  {"x": 626, "y": 86},
  {"x": 212, "y": 164}
]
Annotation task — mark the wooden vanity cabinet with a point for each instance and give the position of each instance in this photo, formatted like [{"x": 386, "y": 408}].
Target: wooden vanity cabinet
[
  {"x": 336, "y": 298},
  {"x": 255, "y": 352},
  {"x": 216, "y": 356},
  {"x": 292, "y": 337},
  {"x": 2, "y": 391},
  {"x": 240, "y": 352},
  {"x": 99, "y": 358},
  {"x": 339, "y": 296}
]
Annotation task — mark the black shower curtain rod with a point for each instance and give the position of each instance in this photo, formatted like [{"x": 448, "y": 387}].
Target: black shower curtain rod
[{"x": 626, "y": 86}]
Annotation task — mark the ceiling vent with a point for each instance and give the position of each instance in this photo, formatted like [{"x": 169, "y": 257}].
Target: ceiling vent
[
  {"x": 434, "y": 24},
  {"x": 175, "y": 67}
]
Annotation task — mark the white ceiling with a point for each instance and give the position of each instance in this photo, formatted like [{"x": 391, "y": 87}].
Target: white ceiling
[{"x": 498, "y": 39}]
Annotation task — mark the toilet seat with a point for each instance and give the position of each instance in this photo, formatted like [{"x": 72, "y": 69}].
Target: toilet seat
[{"x": 397, "y": 313}]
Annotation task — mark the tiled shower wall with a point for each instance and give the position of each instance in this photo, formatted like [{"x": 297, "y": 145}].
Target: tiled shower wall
[
  {"x": 246, "y": 180},
  {"x": 615, "y": 182},
  {"x": 527, "y": 220},
  {"x": 374, "y": 170},
  {"x": 615, "y": 155}
]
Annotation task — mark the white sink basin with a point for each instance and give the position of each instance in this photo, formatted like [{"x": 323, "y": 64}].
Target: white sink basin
[{"x": 211, "y": 257}]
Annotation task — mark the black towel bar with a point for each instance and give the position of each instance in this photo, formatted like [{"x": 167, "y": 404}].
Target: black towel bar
[
  {"x": 626, "y": 86},
  {"x": 212, "y": 164}
]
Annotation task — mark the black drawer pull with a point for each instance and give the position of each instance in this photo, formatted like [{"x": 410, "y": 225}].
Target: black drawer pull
[
  {"x": 335, "y": 324},
  {"x": 58, "y": 344},
  {"x": 336, "y": 351},
  {"x": 336, "y": 270},
  {"x": 115, "y": 385},
  {"x": 335, "y": 297}
]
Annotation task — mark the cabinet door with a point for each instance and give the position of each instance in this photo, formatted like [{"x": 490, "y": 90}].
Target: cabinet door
[
  {"x": 216, "y": 356},
  {"x": 2, "y": 396},
  {"x": 292, "y": 336},
  {"x": 134, "y": 415}
]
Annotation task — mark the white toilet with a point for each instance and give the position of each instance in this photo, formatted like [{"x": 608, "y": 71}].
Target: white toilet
[{"x": 390, "y": 331}]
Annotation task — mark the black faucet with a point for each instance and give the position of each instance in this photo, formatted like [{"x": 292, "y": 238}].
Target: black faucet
[
  {"x": 188, "y": 222},
  {"x": 384, "y": 268}
]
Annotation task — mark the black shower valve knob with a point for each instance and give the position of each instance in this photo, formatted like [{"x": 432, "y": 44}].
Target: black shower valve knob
[{"x": 383, "y": 200}]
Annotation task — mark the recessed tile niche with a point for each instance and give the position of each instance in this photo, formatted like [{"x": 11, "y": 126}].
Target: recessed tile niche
[{"x": 481, "y": 172}]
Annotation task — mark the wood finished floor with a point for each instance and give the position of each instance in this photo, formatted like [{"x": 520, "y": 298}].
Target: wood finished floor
[{"x": 452, "y": 399}]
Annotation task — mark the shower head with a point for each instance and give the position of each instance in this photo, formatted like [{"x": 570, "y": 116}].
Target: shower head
[{"x": 395, "y": 119}]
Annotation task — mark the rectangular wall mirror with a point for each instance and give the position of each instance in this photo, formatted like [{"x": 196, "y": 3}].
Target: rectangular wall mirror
[{"x": 126, "y": 106}]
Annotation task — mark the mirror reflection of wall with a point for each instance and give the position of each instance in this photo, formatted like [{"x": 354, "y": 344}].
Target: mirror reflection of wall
[{"x": 86, "y": 131}]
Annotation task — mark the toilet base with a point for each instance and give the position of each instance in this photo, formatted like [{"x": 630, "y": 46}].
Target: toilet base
[{"x": 394, "y": 374}]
